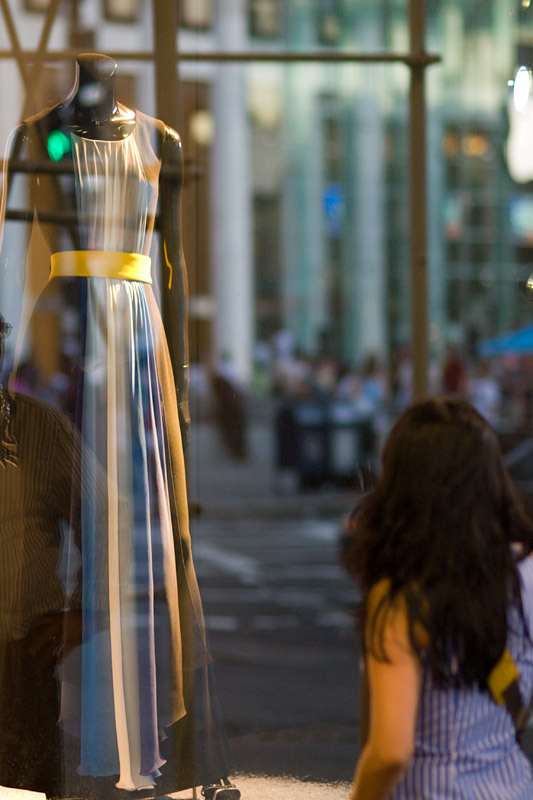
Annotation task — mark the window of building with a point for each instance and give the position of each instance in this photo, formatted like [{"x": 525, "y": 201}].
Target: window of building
[
  {"x": 121, "y": 10},
  {"x": 265, "y": 19},
  {"x": 197, "y": 14},
  {"x": 329, "y": 19},
  {"x": 36, "y": 5}
]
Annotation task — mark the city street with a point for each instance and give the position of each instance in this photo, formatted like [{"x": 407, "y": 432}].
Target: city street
[{"x": 279, "y": 613}]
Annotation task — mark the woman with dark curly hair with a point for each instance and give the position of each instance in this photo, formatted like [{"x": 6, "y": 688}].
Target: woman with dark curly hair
[{"x": 441, "y": 551}]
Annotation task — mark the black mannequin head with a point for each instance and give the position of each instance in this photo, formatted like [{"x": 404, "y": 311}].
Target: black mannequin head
[
  {"x": 92, "y": 108},
  {"x": 95, "y": 95}
]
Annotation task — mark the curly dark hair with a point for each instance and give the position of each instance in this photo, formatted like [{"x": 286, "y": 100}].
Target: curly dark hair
[{"x": 445, "y": 527}]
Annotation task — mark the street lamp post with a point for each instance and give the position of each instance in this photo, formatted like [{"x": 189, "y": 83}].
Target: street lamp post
[{"x": 418, "y": 200}]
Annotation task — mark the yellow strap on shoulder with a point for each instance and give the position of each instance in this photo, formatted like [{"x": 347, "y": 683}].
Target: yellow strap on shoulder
[
  {"x": 503, "y": 674},
  {"x": 101, "y": 264}
]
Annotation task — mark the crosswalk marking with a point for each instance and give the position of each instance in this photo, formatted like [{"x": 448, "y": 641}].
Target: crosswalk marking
[
  {"x": 265, "y": 622},
  {"x": 260, "y": 575},
  {"x": 245, "y": 568}
]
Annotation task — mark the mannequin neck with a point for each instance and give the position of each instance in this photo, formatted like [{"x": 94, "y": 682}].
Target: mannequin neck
[{"x": 92, "y": 108}]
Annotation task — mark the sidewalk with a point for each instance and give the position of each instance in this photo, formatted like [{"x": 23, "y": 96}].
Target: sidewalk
[
  {"x": 225, "y": 487},
  {"x": 251, "y": 788}
]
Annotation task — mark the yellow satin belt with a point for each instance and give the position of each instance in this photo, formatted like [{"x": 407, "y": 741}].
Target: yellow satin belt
[{"x": 101, "y": 264}]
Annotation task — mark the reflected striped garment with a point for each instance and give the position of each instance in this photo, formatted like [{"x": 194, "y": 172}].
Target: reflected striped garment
[
  {"x": 465, "y": 746},
  {"x": 35, "y": 500}
]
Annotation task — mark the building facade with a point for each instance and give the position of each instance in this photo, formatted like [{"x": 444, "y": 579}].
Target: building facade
[{"x": 295, "y": 206}]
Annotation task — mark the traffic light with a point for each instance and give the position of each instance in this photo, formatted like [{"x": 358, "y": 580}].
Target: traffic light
[{"x": 57, "y": 144}]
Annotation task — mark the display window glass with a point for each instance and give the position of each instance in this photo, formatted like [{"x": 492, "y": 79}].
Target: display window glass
[{"x": 289, "y": 321}]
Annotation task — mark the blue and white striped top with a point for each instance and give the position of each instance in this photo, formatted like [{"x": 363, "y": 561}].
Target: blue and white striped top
[{"x": 465, "y": 744}]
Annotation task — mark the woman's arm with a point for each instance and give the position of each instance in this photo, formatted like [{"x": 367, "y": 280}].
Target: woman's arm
[{"x": 394, "y": 688}]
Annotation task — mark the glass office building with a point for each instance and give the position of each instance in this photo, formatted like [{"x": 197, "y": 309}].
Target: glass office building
[
  {"x": 342, "y": 133},
  {"x": 326, "y": 159}
]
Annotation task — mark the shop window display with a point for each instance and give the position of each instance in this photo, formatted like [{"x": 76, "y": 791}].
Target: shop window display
[{"x": 106, "y": 678}]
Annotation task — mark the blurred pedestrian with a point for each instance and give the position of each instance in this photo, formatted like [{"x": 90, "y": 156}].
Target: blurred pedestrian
[
  {"x": 401, "y": 379},
  {"x": 454, "y": 372},
  {"x": 293, "y": 375},
  {"x": 230, "y": 407},
  {"x": 485, "y": 394},
  {"x": 374, "y": 383},
  {"x": 374, "y": 388},
  {"x": 441, "y": 549}
]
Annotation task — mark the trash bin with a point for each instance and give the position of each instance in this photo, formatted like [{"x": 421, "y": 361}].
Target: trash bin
[
  {"x": 351, "y": 444},
  {"x": 301, "y": 441},
  {"x": 323, "y": 442},
  {"x": 312, "y": 425},
  {"x": 344, "y": 442}
]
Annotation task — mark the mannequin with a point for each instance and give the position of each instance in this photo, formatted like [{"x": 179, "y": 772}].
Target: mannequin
[
  {"x": 137, "y": 712},
  {"x": 91, "y": 110}
]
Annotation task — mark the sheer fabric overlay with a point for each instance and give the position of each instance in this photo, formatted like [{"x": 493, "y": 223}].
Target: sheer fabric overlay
[{"x": 120, "y": 563}]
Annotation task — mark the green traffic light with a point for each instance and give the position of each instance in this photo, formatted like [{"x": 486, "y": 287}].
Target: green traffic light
[{"x": 58, "y": 145}]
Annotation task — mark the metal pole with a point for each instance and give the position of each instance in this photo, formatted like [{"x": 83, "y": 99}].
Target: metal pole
[
  {"x": 165, "y": 55},
  {"x": 418, "y": 202},
  {"x": 278, "y": 56}
]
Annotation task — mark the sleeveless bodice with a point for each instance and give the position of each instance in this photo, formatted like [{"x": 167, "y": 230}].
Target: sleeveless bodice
[{"x": 116, "y": 191}]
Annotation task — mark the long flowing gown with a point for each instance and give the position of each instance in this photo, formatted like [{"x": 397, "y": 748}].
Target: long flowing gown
[{"x": 129, "y": 701}]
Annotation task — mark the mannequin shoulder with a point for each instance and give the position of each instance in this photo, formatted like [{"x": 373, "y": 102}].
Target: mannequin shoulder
[
  {"x": 165, "y": 140},
  {"x": 171, "y": 148},
  {"x": 172, "y": 137},
  {"x": 159, "y": 127},
  {"x": 48, "y": 118},
  {"x": 31, "y": 135},
  {"x": 19, "y": 144}
]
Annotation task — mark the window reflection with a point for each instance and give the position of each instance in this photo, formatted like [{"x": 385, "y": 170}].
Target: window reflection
[
  {"x": 329, "y": 21},
  {"x": 196, "y": 14},
  {"x": 265, "y": 18},
  {"x": 296, "y": 219}
]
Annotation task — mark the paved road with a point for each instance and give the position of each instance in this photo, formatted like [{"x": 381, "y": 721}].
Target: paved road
[{"x": 278, "y": 612}]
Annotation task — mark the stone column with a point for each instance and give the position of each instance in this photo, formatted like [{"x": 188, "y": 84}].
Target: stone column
[{"x": 231, "y": 260}]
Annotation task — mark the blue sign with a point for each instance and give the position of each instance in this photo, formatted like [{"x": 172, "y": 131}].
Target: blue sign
[{"x": 333, "y": 204}]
